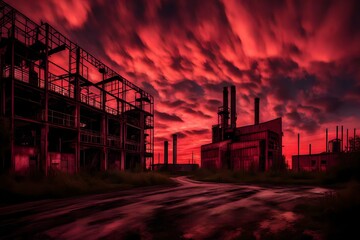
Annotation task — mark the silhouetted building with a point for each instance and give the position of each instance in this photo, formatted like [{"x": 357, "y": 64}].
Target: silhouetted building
[
  {"x": 64, "y": 108},
  {"x": 166, "y": 152},
  {"x": 255, "y": 147},
  {"x": 174, "y": 148},
  {"x": 315, "y": 162},
  {"x": 326, "y": 160}
]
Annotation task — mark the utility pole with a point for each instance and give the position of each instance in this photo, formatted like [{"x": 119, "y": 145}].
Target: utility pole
[
  {"x": 347, "y": 140},
  {"x": 354, "y": 139},
  {"x": 326, "y": 141},
  {"x": 299, "y": 152}
]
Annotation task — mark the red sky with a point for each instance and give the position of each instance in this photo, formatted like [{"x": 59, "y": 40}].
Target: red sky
[{"x": 302, "y": 58}]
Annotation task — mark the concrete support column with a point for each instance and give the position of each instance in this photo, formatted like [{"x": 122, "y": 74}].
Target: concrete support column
[
  {"x": 166, "y": 153},
  {"x": 257, "y": 111},
  {"x": 12, "y": 76},
  {"x": 121, "y": 132},
  {"x": 104, "y": 134},
  {"x": 45, "y": 164},
  {"x": 174, "y": 148},
  {"x": 122, "y": 160},
  {"x": 45, "y": 129},
  {"x": 2, "y": 87},
  {"x": 142, "y": 141},
  {"x": 77, "y": 112},
  {"x": 3, "y": 96},
  {"x": 123, "y": 145}
]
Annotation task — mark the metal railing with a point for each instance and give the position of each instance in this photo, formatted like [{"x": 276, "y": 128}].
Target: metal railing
[
  {"x": 60, "y": 118},
  {"x": 113, "y": 141},
  {"x": 89, "y": 136},
  {"x": 132, "y": 147},
  {"x": 91, "y": 101},
  {"x": 23, "y": 75}
]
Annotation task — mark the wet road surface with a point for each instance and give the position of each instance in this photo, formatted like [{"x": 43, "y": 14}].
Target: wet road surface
[{"x": 191, "y": 210}]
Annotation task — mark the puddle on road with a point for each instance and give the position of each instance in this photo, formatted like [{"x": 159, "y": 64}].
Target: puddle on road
[
  {"x": 318, "y": 190},
  {"x": 278, "y": 221}
]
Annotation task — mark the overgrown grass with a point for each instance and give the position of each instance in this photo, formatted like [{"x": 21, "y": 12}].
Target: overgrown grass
[
  {"x": 272, "y": 177},
  {"x": 334, "y": 216},
  {"x": 348, "y": 170},
  {"x": 18, "y": 188}
]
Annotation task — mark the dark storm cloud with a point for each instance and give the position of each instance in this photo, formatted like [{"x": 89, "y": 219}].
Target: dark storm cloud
[
  {"x": 280, "y": 110},
  {"x": 168, "y": 12},
  {"x": 286, "y": 88},
  {"x": 180, "y": 134},
  {"x": 138, "y": 9},
  {"x": 214, "y": 102},
  {"x": 191, "y": 88},
  {"x": 181, "y": 63},
  {"x": 148, "y": 61},
  {"x": 176, "y": 103},
  {"x": 197, "y": 131},
  {"x": 280, "y": 65},
  {"x": 232, "y": 68},
  {"x": 300, "y": 57},
  {"x": 329, "y": 103},
  {"x": 168, "y": 117},
  {"x": 159, "y": 125},
  {"x": 136, "y": 41},
  {"x": 217, "y": 87},
  {"x": 292, "y": 49},
  {"x": 208, "y": 67},
  {"x": 148, "y": 87},
  {"x": 252, "y": 86},
  {"x": 213, "y": 105},
  {"x": 161, "y": 139},
  {"x": 340, "y": 90},
  {"x": 198, "y": 113},
  {"x": 302, "y": 122},
  {"x": 282, "y": 88}
]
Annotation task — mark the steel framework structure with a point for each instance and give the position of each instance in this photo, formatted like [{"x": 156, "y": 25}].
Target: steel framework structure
[{"x": 63, "y": 107}]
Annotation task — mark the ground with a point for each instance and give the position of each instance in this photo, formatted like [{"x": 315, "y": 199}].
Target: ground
[{"x": 190, "y": 210}]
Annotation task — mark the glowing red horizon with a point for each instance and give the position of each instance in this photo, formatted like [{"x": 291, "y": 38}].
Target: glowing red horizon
[{"x": 300, "y": 58}]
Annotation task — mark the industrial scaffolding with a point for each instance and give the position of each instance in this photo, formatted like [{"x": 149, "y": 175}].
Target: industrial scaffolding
[{"x": 63, "y": 108}]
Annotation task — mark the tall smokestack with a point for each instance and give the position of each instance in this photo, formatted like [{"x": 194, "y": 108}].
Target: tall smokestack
[
  {"x": 337, "y": 130},
  {"x": 342, "y": 138},
  {"x": 354, "y": 139},
  {"x": 310, "y": 149},
  {"x": 298, "y": 163},
  {"x": 257, "y": 105},
  {"x": 174, "y": 148},
  {"x": 166, "y": 152},
  {"x": 226, "y": 107},
  {"x": 233, "y": 107},
  {"x": 347, "y": 139},
  {"x": 326, "y": 140}
]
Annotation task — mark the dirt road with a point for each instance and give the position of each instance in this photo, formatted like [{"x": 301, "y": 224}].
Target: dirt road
[{"x": 191, "y": 210}]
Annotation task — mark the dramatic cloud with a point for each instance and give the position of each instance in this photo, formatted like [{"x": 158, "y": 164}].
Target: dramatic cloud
[
  {"x": 301, "y": 58},
  {"x": 168, "y": 117}
]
